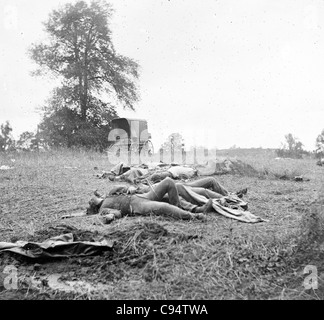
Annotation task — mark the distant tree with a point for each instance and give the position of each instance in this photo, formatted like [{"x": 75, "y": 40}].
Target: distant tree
[
  {"x": 80, "y": 53},
  {"x": 175, "y": 141},
  {"x": 292, "y": 143},
  {"x": 320, "y": 145},
  {"x": 25, "y": 140},
  {"x": 6, "y": 141},
  {"x": 173, "y": 147},
  {"x": 30, "y": 141},
  {"x": 293, "y": 148}
]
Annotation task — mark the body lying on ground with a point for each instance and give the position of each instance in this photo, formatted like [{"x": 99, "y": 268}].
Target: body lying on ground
[
  {"x": 150, "y": 202},
  {"x": 180, "y": 197},
  {"x": 156, "y": 172},
  {"x": 135, "y": 174}
]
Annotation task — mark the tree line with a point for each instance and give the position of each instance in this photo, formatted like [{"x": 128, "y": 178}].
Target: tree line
[
  {"x": 33, "y": 141},
  {"x": 293, "y": 148}
]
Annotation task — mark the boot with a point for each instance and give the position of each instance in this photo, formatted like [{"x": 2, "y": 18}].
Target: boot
[
  {"x": 111, "y": 177},
  {"x": 208, "y": 206},
  {"x": 205, "y": 208},
  {"x": 200, "y": 216},
  {"x": 97, "y": 194},
  {"x": 241, "y": 193}
]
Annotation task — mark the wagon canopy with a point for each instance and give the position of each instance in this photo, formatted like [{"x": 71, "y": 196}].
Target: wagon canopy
[{"x": 136, "y": 129}]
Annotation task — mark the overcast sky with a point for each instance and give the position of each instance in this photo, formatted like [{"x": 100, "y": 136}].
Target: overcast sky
[{"x": 221, "y": 73}]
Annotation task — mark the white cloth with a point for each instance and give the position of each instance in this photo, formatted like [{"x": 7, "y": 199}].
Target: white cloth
[{"x": 182, "y": 172}]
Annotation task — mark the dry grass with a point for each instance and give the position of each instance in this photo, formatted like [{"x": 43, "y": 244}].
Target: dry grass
[{"x": 159, "y": 258}]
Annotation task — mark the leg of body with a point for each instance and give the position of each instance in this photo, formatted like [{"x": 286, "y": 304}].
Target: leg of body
[
  {"x": 208, "y": 183},
  {"x": 136, "y": 204},
  {"x": 167, "y": 186},
  {"x": 209, "y": 194},
  {"x": 144, "y": 206},
  {"x": 187, "y": 206}
]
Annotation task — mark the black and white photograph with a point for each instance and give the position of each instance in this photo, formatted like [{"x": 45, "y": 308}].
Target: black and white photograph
[{"x": 161, "y": 154}]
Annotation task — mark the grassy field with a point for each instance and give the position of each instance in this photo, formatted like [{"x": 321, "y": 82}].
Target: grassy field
[{"x": 159, "y": 258}]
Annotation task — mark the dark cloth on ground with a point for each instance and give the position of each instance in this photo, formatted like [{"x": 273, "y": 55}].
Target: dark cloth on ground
[{"x": 56, "y": 247}]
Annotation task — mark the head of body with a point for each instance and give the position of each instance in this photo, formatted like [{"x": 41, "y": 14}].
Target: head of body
[
  {"x": 94, "y": 205},
  {"x": 96, "y": 202},
  {"x": 117, "y": 190}
]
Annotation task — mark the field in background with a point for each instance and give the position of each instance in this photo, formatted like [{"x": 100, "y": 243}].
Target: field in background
[
  {"x": 159, "y": 258},
  {"x": 267, "y": 162}
]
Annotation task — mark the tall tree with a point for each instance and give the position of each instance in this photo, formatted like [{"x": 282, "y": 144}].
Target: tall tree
[{"x": 80, "y": 53}]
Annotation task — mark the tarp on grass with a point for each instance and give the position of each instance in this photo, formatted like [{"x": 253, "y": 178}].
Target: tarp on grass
[{"x": 61, "y": 246}]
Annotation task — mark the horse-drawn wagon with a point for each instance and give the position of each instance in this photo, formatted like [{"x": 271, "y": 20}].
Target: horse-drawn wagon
[{"x": 130, "y": 136}]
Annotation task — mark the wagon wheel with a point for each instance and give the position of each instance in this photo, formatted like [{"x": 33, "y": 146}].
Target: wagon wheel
[
  {"x": 148, "y": 148},
  {"x": 113, "y": 150},
  {"x": 134, "y": 148}
]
